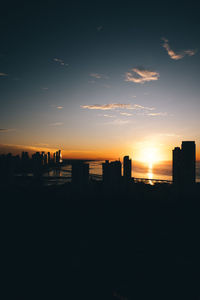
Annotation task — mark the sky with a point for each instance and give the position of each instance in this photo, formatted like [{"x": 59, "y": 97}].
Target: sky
[{"x": 99, "y": 80}]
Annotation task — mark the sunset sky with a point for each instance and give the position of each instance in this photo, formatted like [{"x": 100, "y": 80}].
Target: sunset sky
[{"x": 99, "y": 80}]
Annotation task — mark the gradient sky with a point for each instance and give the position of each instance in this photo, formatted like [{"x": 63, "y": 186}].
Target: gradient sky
[{"x": 99, "y": 80}]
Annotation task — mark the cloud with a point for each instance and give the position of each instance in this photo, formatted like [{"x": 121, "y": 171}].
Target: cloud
[
  {"x": 106, "y": 106},
  {"x": 108, "y": 116},
  {"x": 157, "y": 114},
  {"x": 95, "y": 75},
  {"x": 60, "y": 61},
  {"x": 173, "y": 54},
  {"x": 98, "y": 76},
  {"x": 16, "y": 149},
  {"x": 59, "y": 107},
  {"x": 3, "y": 74},
  {"x": 125, "y": 114},
  {"x": 45, "y": 88},
  {"x": 42, "y": 145},
  {"x": 56, "y": 124},
  {"x": 113, "y": 106},
  {"x": 118, "y": 122},
  {"x": 141, "y": 75},
  {"x": 7, "y": 129},
  {"x": 170, "y": 134},
  {"x": 138, "y": 107},
  {"x": 99, "y": 28}
]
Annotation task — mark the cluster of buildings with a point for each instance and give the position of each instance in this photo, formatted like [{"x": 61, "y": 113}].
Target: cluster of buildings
[
  {"x": 112, "y": 171},
  {"x": 10, "y": 165},
  {"x": 45, "y": 158},
  {"x": 183, "y": 168}
]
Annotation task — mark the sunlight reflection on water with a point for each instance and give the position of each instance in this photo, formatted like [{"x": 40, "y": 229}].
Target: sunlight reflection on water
[
  {"x": 162, "y": 171},
  {"x": 150, "y": 174}
]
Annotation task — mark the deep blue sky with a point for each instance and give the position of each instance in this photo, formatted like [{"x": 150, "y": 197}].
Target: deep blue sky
[{"x": 58, "y": 60}]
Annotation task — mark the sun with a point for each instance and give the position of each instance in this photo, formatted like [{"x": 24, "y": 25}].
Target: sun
[{"x": 150, "y": 155}]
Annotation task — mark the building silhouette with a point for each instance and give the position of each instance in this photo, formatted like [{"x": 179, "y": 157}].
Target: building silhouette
[
  {"x": 127, "y": 167},
  {"x": 58, "y": 157},
  {"x": 80, "y": 173},
  {"x": 177, "y": 165},
  {"x": 184, "y": 163},
  {"x": 112, "y": 172},
  {"x": 49, "y": 157}
]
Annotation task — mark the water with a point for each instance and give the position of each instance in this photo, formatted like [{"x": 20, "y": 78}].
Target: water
[{"x": 162, "y": 171}]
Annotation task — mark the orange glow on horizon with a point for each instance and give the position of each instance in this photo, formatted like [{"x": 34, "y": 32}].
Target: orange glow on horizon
[{"x": 144, "y": 152}]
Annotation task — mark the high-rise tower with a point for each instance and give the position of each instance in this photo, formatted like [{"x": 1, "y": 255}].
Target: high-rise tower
[
  {"x": 184, "y": 161},
  {"x": 127, "y": 167}
]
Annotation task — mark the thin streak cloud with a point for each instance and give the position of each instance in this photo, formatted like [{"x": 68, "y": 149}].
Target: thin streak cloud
[
  {"x": 98, "y": 76},
  {"x": 118, "y": 122},
  {"x": 99, "y": 28},
  {"x": 141, "y": 75},
  {"x": 7, "y": 129},
  {"x": 157, "y": 114},
  {"x": 56, "y": 124},
  {"x": 60, "y": 61},
  {"x": 173, "y": 54},
  {"x": 125, "y": 114},
  {"x": 3, "y": 74},
  {"x": 108, "y": 116},
  {"x": 138, "y": 106},
  {"x": 106, "y": 106},
  {"x": 113, "y": 106}
]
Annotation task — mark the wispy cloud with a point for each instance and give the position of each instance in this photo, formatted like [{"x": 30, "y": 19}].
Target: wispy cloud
[
  {"x": 60, "y": 61},
  {"x": 118, "y": 122},
  {"x": 113, "y": 106},
  {"x": 138, "y": 107},
  {"x": 157, "y": 114},
  {"x": 175, "y": 55},
  {"x": 16, "y": 149},
  {"x": 3, "y": 74},
  {"x": 99, "y": 28},
  {"x": 106, "y": 106},
  {"x": 170, "y": 134},
  {"x": 125, "y": 114},
  {"x": 98, "y": 76},
  {"x": 42, "y": 145},
  {"x": 108, "y": 116},
  {"x": 56, "y": 124},
  {"x": 139, "y": 75},
  {"x": 45, "y": 88},
  {"x": 59, "y": 107},
  {"x": 7, "y": 129}
]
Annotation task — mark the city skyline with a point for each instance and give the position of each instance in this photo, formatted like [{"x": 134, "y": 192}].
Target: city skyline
[{"x": 99, "y": 82}]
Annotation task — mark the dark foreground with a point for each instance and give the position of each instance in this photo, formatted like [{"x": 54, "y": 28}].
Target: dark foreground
[{"x": 124, "y": 242}]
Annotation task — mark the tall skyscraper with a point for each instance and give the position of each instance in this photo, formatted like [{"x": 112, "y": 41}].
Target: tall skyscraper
[
  {"x": 49, "y": 157},
  {"x": 127, "y": 167},
  {"x": 189, "y": 162},
  {"x": 177, "y": 165},
  {"x": 58, "y": 156},
  {"x": 184, "y": 163}
]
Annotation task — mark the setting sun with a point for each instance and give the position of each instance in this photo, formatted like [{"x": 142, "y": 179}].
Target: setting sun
[{"x": 150, "y": 155}]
